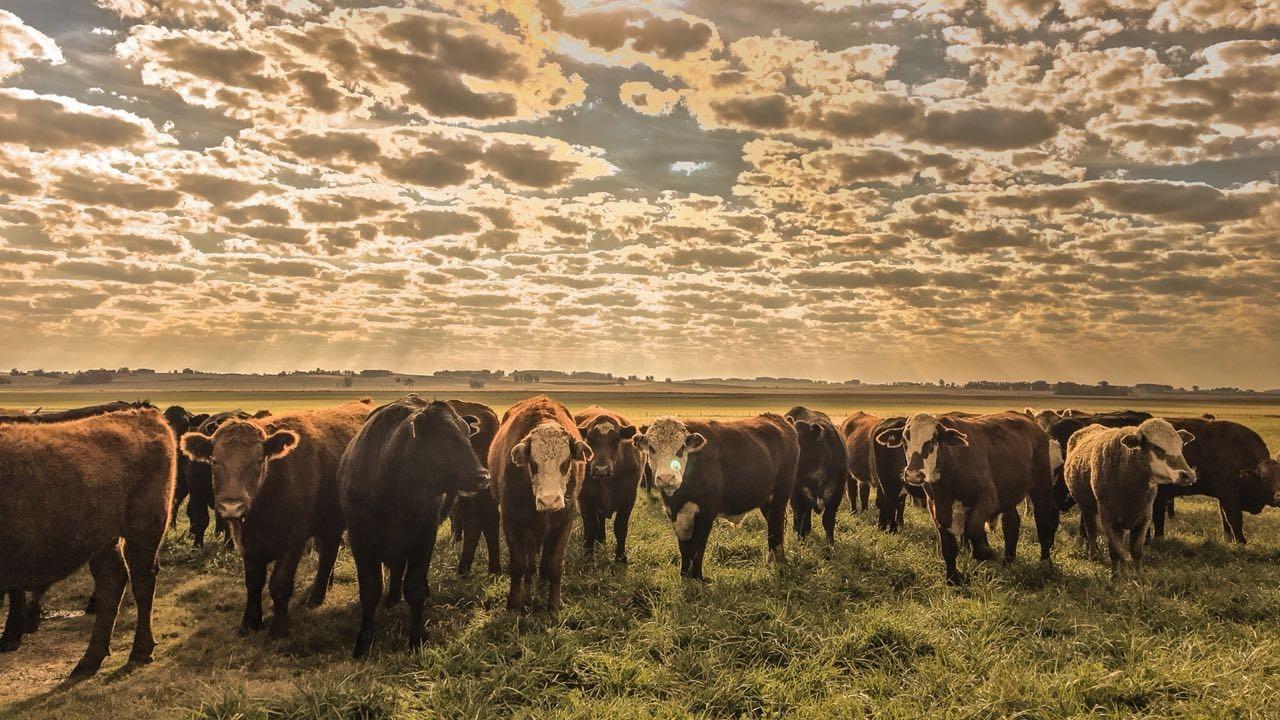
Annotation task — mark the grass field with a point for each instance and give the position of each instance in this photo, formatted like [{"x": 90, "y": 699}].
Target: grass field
[{"x": 868, "y": 629}]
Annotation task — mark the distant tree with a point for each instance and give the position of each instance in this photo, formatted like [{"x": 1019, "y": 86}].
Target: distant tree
[
  {"x": 92, "y": 377},
  {"x": 1195, "y": 388},
  {"x": 410, "y": 382},
  {"x": 348, "y": 381},
  {"x": 668, "y": 380},
  {"x": 16, "y": 372},
  {"x": 621, "y": 381},
  {"x": 476, "y": 384},
  {"x": 648, "y": 378}
]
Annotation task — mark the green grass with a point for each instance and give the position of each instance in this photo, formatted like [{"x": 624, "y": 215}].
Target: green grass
[{"x": 866, "y": 630}]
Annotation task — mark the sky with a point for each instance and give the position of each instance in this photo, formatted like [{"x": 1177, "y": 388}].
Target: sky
[{"x": 876, "y": 189}]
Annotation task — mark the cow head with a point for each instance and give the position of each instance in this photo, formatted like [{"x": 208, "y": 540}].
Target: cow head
[
  {"x": 811, "y": 471},
  {"x": 669, "y": 445},
  {"x": 1266, "y": 476},
  {"x": 549, "y": 451},
  {"x": 921, "y": 439},
  {"x": 440, "y": 439},
  {"x": 1163, "y": 446},
  {"x": 239, "y": 452},
  {"x": 605, "y": 439}
]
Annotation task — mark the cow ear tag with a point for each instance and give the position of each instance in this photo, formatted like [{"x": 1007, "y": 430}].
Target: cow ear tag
[{"x": 675, "y": 465}]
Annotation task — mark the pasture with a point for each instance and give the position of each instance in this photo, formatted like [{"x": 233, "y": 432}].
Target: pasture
[{"x": 868, "y": 629}]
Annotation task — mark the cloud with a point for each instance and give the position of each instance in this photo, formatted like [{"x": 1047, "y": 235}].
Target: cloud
[
  {"x": 20, "y": 42},
  {"x": 51, "y": 122}
]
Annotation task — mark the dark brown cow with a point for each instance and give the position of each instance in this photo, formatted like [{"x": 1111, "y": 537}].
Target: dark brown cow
[
  {"x": 275, "y": 483},
  {"x": 1114, "y": 473},
  {"x": 821, "y": 472},
  {"x": 537, "y": 461},
  {"x": 394, "y": 479},
  {"x": 859, "y": 442},
  {"x": 974, "y": 469},
  {"x": 476, "y": 514},
  {"x": 1232, "y": 464},
  {"x": 613, "y": 476},
  {"x": 708, "y": 469},
  {"x": 73, "y": 491}
]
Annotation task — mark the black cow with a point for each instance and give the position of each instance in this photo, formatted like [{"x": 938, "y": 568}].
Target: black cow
[{"x": 821, "y": 473}]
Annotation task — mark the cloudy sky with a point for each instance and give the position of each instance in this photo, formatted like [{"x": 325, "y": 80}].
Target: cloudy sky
[{"x": 880, "y": 189}]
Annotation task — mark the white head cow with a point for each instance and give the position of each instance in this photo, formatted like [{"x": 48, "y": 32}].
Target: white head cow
[
  {"x": 920, "y": 438},
  {"x": 1163, "y": 445},
  {"x": 552, "y": 456},
  {"x": 668, "y": 443}
]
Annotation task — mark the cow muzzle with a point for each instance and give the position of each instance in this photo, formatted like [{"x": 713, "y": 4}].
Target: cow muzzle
[
  {"x": 1185, "y": 477},
  {"x": 478, "y": 484},
  {"x": 549, "y": 503},
  {"x": 667, "y": 482},
  {"x": 913, "y": 477}
]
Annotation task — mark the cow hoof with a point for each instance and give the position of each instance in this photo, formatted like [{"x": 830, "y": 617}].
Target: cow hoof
[
  {"x": 141, "y": 657},
  {"x": 277, "y": 632},
  {"x": 9, "y": 644},
  {"x": 621, "y": 559},
  {"x": 249, "y": 627},
  {"x": 86, "y": 667},
  {"x": 957, "y": 580},
  {"x": 32, "y": 623}
]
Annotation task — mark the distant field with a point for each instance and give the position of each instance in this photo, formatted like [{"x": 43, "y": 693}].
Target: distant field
[{"x": 866, "y": 630}]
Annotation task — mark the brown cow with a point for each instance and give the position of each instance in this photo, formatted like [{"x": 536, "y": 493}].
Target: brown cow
[
  {"x": 822, "y": 471},
  {"x": 973, "y": 469},
  {"x": 536, "y": 461},
  {"x": 859, "y": 443},
  {"x": 709, "y": 469},
  {"x": 275, "y": 483},
  {"x": 477, "y": 514},
  {"x": 73, "y": 491},
  {"x": 1232, "y": 464},
  {"x": 1114, "y": 472},
  {"x": 612, "y": 479}
]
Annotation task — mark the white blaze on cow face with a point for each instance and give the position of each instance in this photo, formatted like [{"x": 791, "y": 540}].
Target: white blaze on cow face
[
  {"x": 920, "y": 443},
  {"x": 550, "y": 453},
  {"x": 669, "y": 444},
  {"x": 1163, "y": 445}
]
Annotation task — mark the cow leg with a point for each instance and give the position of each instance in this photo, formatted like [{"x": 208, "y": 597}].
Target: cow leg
[
  {"x": 327, "y": 555},
  {"x": 282, "y": 576},
  {"x": 1158, "y": 511},
  {"x": 416, "y": 590},
  {"x": 698, "y": 542},
  {"x": 1089, "y": 532},
  {"x": 829, "y": 520},
  {"x": 255, "y": 579},
  {"x": 775, "y": 517},
  {"x": 1117, "y": 547},
  {"x": 552, "y": 570},
  {"x": 851, "y": 486},
  {"x": 518, "y": 568},
  {"x": 15, "y": 624},
  {"x": 143, "y": 564},
  {"x": 621, "y": 523},
  {"x": 1047, "y": 515},
  {"x": 899, "y": 516},
  {"x": 395, "y": 582},
  {"x": 180, "y": 492},
  {"x": 950, "y": 547},
  {"x": 799, "y": 513},
  {"x": 1011, "y": 524},
  {"x": 456, "y": 526},
  {"x": 198, "y": 517},
  {"x": 864, "y": 496},
  {"x": 1137, "y": 543},
  {"x": 1232, "y": 519},
  {"x": 470, "y": 539},
  {"x": 975, "y": 526},
  {"x": 369, "y": 576},
  {"x": 109, "y": 578},
  {"x": 34, "y": 608},
  {"x": 592, "y": 529},
  {"x": 492, "y": 547}
]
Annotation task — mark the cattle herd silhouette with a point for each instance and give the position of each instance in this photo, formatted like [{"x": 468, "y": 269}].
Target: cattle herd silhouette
[{"x": 100, "y": 485}]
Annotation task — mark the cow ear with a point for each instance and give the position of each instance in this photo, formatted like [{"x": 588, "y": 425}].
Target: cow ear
[
  {"x": 582, "y": 451},
  {"x": 584, "y": 429},
  {"x": 640, "y": 441},
  {"x": 260, "y": 414},
  {"x": 952, "y": 436},
  {"x": 643, "y": 429},
  {"x": 198, "y": 420},
  {"x": 520, "y": 454},
  {"x": 693, "y": 442},
  {"x": 627, "y": 432},
  {"x": 790, "y": 420},
  {"x": 1029, "y": 413},
  {"x": 279, "y": 444},
  {"x": 196, "y": 446},
  {"x": 473, "y": 424},
  {"x": 890, "y": 438},
  {"x": 1186, "y": 437},
  {"x": 1132, "y": 440}
]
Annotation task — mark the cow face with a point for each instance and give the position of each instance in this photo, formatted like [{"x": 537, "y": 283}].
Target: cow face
[
  {"x": 440, "y": 439},
  {"x": 551, "y": 454},
  {"x": 669, "y": 445},
  {"x": 811, "y": 472},
  {"x": 1163, "y": 446},
  {"x": 239, "y": 452},
  {"x": 1267, "y": 475},
  {"x": 605, "y": 438},
  {"x": 922, "y": 439}
]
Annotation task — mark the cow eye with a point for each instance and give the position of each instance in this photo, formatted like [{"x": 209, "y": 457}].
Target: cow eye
[{"x": 564, "y": 467}]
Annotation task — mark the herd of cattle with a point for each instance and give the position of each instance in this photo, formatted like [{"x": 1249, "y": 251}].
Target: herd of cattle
[{"x": 101, "y": 484}]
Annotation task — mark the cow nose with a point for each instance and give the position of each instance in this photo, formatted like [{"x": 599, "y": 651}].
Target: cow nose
[
  {"x": 665, "y": 480},
  {"x": 913, "y": 477},
  {"x": 601, "y": 468},
  {"x": 233, "y": 510},
  {"x": 548, "y": 503},
  {"x": 480, "y": 481},
  {"x": 1186, "y": 477}
]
